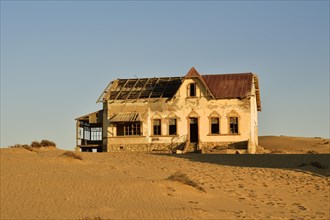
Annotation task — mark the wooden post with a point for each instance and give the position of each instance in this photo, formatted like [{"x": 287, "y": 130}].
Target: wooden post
[{"x": 77, "y": 130}]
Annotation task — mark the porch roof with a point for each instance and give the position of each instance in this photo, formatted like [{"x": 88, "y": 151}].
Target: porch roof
[
  {"x": 86, "y": 117},
  {"x": 131, "y": 117}
]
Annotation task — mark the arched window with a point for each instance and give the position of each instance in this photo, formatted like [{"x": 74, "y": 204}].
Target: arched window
[
  {"x": 215, "y": 125},
  {"x": 233, "y": 125},
  {"x": 233, "y": 120},
  {"x": 214, "y": 119},
  {"x": 172, "y": 126},
  {"x": 157, "y": 126}
]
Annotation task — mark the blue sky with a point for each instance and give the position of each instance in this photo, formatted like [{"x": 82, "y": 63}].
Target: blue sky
[{"x": 58, "y": 56}]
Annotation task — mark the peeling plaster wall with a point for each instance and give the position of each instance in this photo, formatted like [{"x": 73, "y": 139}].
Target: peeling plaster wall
[{"x": 183, "y": 107}]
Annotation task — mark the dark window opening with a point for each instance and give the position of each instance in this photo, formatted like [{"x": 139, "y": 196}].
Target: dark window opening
[
  {"x": 215, "y": 126},
  {"x": 192, "y": 90},
  {"x": 172, "y": 126},
  {"x": 157, "y": 126},
  {"x": 129, "y": 129},
  {"x": 233, "y": 125}
]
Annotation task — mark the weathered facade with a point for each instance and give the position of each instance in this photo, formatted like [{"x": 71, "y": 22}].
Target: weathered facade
[{"x": 194, "y": 113}]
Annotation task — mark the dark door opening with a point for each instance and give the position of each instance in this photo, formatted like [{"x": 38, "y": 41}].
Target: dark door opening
[{"x": 193, "y": 122}]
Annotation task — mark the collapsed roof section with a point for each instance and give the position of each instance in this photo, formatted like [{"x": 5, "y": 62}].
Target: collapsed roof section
[
  {"x": 219, "y": 86},
  {"x": 144, "y": 88}
]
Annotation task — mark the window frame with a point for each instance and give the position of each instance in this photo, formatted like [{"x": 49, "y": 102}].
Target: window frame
[
  {"x": 159, "y": 130},
  {"x": 192, "y": 88},
  {"x": 211, "y": 125},
  {"x": 169, "y": 126},
  {"x": 233, "y": 130},
  {"x": 96, "y": 134},
  {"x": 129, "y": 129}
]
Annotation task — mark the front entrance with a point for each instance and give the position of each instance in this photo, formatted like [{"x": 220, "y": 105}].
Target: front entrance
[{"x": 193, "y": 123}]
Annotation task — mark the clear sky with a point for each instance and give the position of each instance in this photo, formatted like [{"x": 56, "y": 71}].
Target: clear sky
[{"x": 57, "y": 57}]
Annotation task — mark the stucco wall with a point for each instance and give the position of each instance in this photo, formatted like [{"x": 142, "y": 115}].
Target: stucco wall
[{"x": 183, "y": 107}]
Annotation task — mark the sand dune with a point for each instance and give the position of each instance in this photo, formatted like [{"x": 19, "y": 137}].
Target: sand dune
[
  {"x": 298, "y": 145},
  {"x": 46, "y": 185}
]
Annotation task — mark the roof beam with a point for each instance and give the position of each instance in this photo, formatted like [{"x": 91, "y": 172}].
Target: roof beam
[
  {"x": 153, "y": 88},
  {"x": 143, "y": 88},
  {"x": 132, "y": 89},
  {"x": 102, "y": 96},
  {"x": 121, "y": 89},
  {"x": 168, "y": 80}
]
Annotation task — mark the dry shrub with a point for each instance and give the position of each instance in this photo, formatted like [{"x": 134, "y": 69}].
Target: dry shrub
[
  {"x": 317, "y": 165},
  {"x": 35, "y": 144},
  {"x": 72, "y": 155},
  {"x": 47, "y": 143},
  {"x": 183, "y": 178},
  {"x": 16, "y": 146},
  {"x": 25, "y": 146}
]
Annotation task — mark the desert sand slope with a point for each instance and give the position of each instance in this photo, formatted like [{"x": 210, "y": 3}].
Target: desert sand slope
[
  {"x": 45, "y": 185},
  {"x": 298, "y": 145}
]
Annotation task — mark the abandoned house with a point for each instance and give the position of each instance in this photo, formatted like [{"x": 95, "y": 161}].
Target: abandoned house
[{"x": 193, "y": 113}]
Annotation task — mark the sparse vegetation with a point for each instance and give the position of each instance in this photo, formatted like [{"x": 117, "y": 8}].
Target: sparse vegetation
[
  {"x": 183, "y": 178},
  {"x": 47, "y": 143},
  {"x": 72, "y": 155},
  {"x": 35, "y": 144},
  {"x": 25, "y": 146}
]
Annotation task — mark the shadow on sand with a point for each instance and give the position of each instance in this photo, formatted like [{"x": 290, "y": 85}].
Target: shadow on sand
[{"x": 297, "y": 162}]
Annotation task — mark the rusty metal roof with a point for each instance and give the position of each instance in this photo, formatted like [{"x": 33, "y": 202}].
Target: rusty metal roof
[
  {"x": 229, "y": 85},
  {"x": 193, "y": 73}
]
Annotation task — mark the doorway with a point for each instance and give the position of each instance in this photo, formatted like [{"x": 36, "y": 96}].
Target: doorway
[{"x": 193, "y": 125}]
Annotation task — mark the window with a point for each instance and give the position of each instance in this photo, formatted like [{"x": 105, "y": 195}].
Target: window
[
  {"x": 215, "y": 125},
  {"x": 157, "y": 126},
  {"x": 96, "y": 134},
  {"x": 129, "y": 129},
  {"x": 192, "y": 90},
  {"x": 233, "y": 125},
  {"x": 172, "y": 126},
  {"x": 87, "y": 133}
]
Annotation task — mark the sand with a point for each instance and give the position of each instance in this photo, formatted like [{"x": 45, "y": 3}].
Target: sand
[
  {"x": 297, "y": 145},
  {"x": 46, "y": 185}
]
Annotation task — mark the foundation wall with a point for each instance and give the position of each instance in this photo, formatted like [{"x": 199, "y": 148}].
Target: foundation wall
[
  {"x": 159, "y": 147},
  {"x": 205, "y": 147}
]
